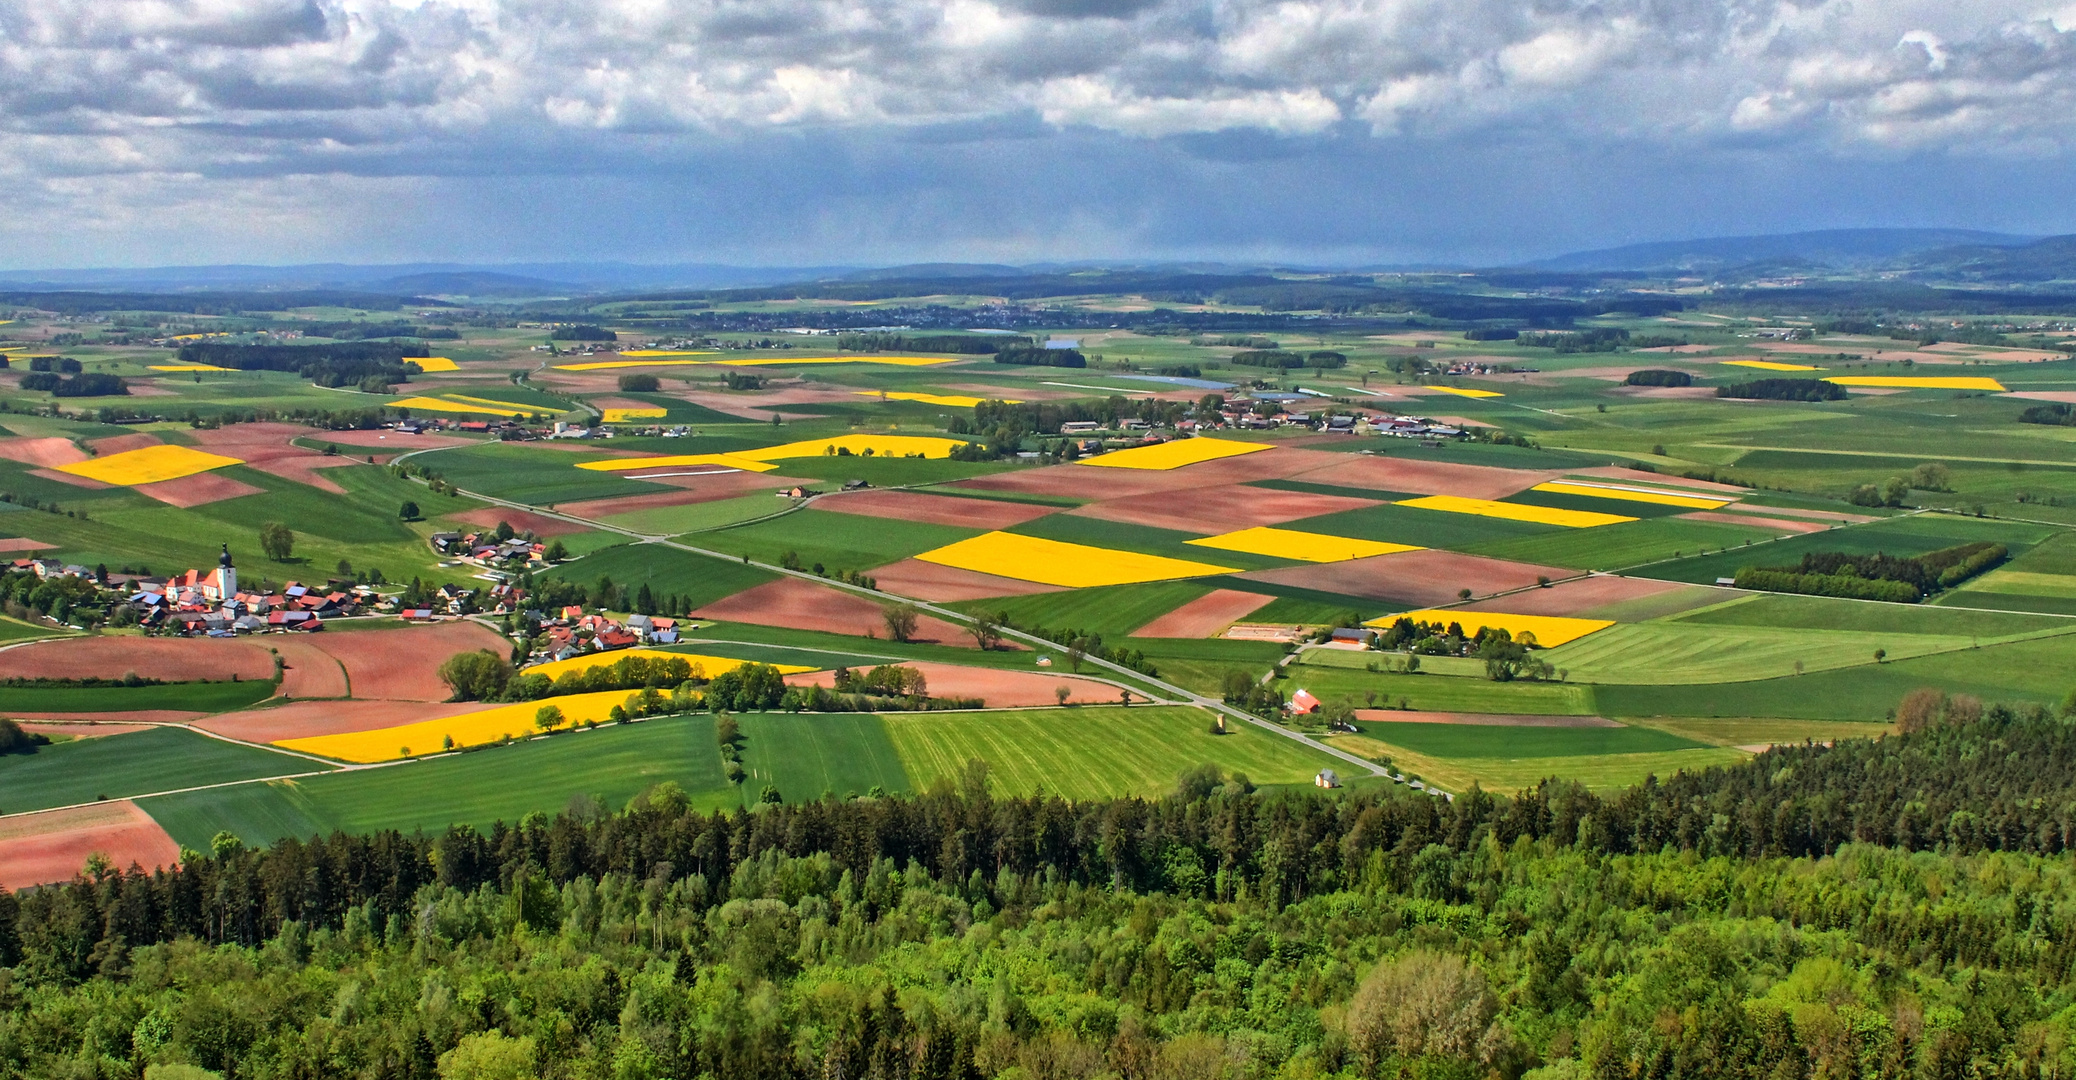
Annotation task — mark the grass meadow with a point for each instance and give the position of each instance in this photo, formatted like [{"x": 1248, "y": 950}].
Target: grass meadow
[
  {"x": 838, "y": 541},
  {"x": 1487, "y": 741},
  {"x": 201, "y": 697},
  {"x": 1114, "y": 611},
  {"x": 134, "y": 763},
  {"x": 664, "y": 570}
]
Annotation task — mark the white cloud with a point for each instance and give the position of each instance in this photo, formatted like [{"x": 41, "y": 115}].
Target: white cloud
[{"x": 196, "y": 92}]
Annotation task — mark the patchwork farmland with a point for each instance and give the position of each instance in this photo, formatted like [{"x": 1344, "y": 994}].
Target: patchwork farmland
[{"x": 775, "y": 576}]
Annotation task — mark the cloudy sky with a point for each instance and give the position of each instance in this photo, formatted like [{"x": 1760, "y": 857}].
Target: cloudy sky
[{"x": 151, "y": 132}]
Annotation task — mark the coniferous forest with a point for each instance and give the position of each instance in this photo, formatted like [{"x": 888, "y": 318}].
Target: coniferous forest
[{"x": 1904, "y": 907}]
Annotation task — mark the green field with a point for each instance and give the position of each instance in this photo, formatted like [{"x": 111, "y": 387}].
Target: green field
[
  {"x": 1121, "y": 536},
  {"x": 1490, "y": 741},
  {"x": 1092, "y": 752},
  {"x": 1628, "y": 543},
  {"x": 612, "y": 763},
  {"x": 1594, "y": 504},
  {"x": 698, "y": 517},
  {"x": 838, "y": 541},
  {"x": 808, "y": 755},
  {"x": 201, "y": 697},
  {"x": 530, "y": 474},
  {"x": 1903, "y": 536},
  {"x": 119, "y": 766},
  {"x": 17, "y": 630},
  {"x": 1786, "y": 611},
  {"x": 1395, "y": 524},
  {"x": 1438, "y": 693},
  {"x": 1113, "y": 612},
  {"x": 1683, "y": 652},
  {"x": 665, "y": 570}
]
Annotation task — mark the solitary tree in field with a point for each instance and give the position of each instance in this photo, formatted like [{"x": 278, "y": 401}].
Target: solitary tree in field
[
  {"x": 548, "y": 717},
  {"x": 901, "y": 621},
  {"x": 277, "y": 540},
  {"x": 987, "y": 633},
  {"x": 1061, "y": 693},
  {"x": 409, "y": 511}
]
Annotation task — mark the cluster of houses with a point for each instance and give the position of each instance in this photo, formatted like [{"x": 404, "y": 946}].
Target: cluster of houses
[
  {"x": 486, "y": 550},
  {"x": 210, "y": 602},
  {"x": 573, "y": 633},
  {"x": 1481, "y": 367}
]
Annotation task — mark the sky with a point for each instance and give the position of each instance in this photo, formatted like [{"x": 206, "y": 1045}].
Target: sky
[{"x": 876, "y": 132}]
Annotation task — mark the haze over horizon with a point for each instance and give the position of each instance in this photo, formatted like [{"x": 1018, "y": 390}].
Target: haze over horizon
[{"x": 877, "y": 132}]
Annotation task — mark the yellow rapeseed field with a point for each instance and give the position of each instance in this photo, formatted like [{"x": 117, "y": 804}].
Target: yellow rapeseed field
[
  {"x": 1053, "y": 562},
  {"x": 1175, "y": 454},
  {"x": 1303, "y": 546},
  {"x": 1631, "y": 493},
  {"x": 705, "y": 667},
  {"x": 928, "y": 446},
  {"x": 468, "y": 729},
  {"x": 148, "y": 465},
  {"x": 430, "y": 404},
  {"x": 1543, "y": 515},
  {"x": 621, "y": 416},
  {"x": 1550, "y": 630},
  {"x": 655, "y": 361},
  {"x": 671, "y": 461},
  {"x": 189, "y": 367},
  {"x": 1462, "y": 391},
  {"x": 956, "y": 401},
  {"x": 1771, "y": 365},
  {"x": 1933, "y": 382},
  {"x": 432, "y": 363}
]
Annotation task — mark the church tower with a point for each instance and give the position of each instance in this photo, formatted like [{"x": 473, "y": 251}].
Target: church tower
[{"x": 226, "y": 585}]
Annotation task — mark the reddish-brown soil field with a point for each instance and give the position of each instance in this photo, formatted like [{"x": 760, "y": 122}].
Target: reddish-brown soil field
[
  {"x": 936, "y": 509},
  {"x": 1206, "y": 616},
  {"x": 1782, "y": 525},
  {"x": 404, "y": 665},
  {"x": 308, "y": 719},
  {"x": 520, "y": 520},
  {"x": 1425, "y": 577},
  {"x": 999, "y": 689},
  {"x": 23, "y": 543},
  {"x": 267, "y": 447},
  {"x": 1579, "y": 594},
  {"x": 79, "y": 730},
  {"x": 68, "y": 478},
  {"x": 1221, "y": 509},
  {"x": 1415, "y": 716},
  {"x": 307, "y": 670},
  {"x": 2065, "y": 396},
  {"x": 116, "y": 444},
  {"x": 688, "y": 490},
  {"x": 946, "y": 584},
  {"x": 41, "y": 451},
  {"x": 171, "y": 659},
  {"x": 1425, "y": 477},
  {"x": 803, "y": 605},
  {"x": 37, "y": 849},
  {"x": 198, "y": 490}
]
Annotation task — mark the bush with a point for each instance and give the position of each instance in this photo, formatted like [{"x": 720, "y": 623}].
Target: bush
[
  {"x": 1326, "y": 359},
  {"x": 640, "y": 384},
  {"x": 1659, "y": 377},
  {"x": 476, "y": 676},
  {"x": 96, "y": 385},
  {"x": 2054, "y": 414},
  {"x": 1839, "y": 585},
  {"x": 1783, "y": 390},
  {"x": 13, "y": 740},
  {"x": 1491, "y": 335}
]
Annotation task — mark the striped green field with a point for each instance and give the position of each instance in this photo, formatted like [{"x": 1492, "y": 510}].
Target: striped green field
[
  {"x": 1092, "y": 752},
  {"x": 697, "y": 517},
  {"x": 1396, "y": 524},
  {"x": 1678, "y": 652},
  {"x": 838, "y": 541},
  {"x": 666, "y": 571},
  {"x": 1439, "y": 693},
  {"x": 1790, "y": 612},
  {"x": 1606, "y": 772},
  {"x": 808, "y": 755},
  {"x": 1490, "y": 741}
]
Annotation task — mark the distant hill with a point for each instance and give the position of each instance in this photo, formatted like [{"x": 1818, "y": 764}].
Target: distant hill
[
  {"x": 1836, "y": 248},
  {"x": 476, "y": 283},
  {"x": 936, "y": 271},
  {"x": 2052, "y": 259}
]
